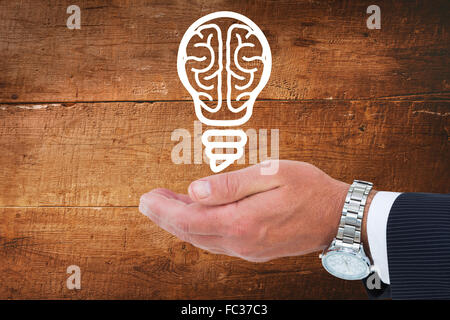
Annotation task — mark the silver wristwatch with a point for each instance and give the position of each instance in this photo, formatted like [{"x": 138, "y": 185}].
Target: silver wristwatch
[{"x": 345, "y": 257}]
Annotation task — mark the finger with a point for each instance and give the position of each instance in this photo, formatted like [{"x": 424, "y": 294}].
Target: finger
[
  {"x": 212, "y": 244},
  {"x": 205, "y": 242},
  {"x": 170, "y": 194},
  {"x": 232, "y": 186},
  {"x": 188, "y": 218}
]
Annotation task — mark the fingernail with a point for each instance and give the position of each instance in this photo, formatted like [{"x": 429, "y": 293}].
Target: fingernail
[
  {"x": 143, "y": 207},
  {"x": 201, "y": 189}
]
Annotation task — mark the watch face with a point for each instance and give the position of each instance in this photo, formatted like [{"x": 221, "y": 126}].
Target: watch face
[{"x": 345, "y": 265}]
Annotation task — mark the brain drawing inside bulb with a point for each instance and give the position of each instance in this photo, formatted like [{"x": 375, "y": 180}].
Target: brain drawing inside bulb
[{"x": 224, "y": 61}]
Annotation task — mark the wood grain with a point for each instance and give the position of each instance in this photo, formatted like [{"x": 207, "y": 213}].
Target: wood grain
[
  {"x": 86, "y": 118},
  {"x": 108, "y": 154},
  {"x": 123, "y": 255},
  {"x": 126, "y": 51}
]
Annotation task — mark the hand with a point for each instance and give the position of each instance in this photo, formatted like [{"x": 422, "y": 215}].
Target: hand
[{"x": 252, "y": 216}]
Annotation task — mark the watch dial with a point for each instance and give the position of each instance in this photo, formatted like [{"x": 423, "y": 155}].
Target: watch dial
[{"x": 345, "y": 265}]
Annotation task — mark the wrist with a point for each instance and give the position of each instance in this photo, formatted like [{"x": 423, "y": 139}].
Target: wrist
[
  {"x": 337, "y": 200},
  {"x": 364, "y": 238}
]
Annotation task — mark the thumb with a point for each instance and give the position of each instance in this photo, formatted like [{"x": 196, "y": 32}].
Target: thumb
[{"x": 232, "y": 186}]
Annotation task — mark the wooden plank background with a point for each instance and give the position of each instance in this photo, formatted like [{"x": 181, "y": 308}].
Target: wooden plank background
[
  {"x": 126, "y": 50},
  {"x": 86, "y": 118}
]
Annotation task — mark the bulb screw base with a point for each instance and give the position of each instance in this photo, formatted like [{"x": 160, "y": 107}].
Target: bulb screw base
[{"x": 220, "y": 161}]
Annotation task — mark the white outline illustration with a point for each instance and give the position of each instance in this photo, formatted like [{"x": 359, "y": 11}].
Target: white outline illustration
[
  {"x": 226, "y": 158},
  {"x": 266, "y": 59}
]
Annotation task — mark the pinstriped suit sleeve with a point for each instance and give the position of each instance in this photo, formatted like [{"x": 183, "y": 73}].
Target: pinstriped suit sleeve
[{"x": 418, "y": 246}]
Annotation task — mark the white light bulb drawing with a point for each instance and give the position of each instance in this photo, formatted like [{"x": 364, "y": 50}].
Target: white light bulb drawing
[{"x": 207, "y": 31}]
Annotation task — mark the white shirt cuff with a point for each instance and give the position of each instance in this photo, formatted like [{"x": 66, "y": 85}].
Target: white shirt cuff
[{"x": 376, "y": 231}]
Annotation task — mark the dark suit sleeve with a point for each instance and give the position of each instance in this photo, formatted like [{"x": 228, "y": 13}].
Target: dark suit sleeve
[{"x": 418, "y": 246}]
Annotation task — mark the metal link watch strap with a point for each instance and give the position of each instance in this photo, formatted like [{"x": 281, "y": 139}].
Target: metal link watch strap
[{"x": 349, "y": 232}]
